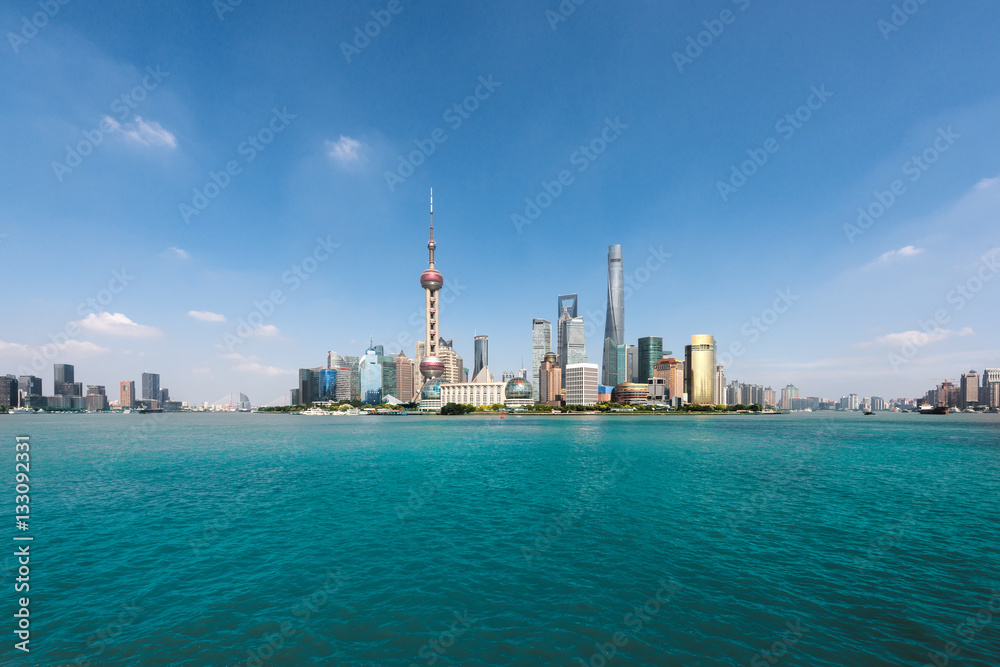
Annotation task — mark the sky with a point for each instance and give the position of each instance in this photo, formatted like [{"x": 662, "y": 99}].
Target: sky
[{"x": 222, "y": 192}]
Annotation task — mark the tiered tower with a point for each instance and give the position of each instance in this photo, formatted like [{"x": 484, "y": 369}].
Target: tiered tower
[{"x": 431, "y": 366}]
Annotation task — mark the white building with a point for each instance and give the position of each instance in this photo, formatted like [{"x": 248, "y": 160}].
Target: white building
[
  {"x": 473, "y": 393},
  {"x": 581, "y": 384}
]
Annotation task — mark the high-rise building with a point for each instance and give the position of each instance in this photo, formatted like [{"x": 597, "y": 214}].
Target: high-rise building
[
  {"x": 581, "y": 384},
  {"x": 615, "y": 369},
  {"x": 404, "y": 377},
  {"x": 991, "y": 388},
  {"x": 308, "y": 386},
  {"x": 97, "y": 398},
  {"x": 8, "y": 391},
  {"x": 671, "y": 370},
  {"x": 127, "y": 399},
  {"x": 699, "y": 370},
  {"x": 720, "y": 384},
  {"x": 568, "y": 311},
  {"x": 454, "y": 369},
  {"x": 632, "y": 353},
  {"x": 650, "y": 352},
  {"x": 968, "y": 395},
  {"x": 29, "y": 385},
  {"x": 432, "y": 367},
  {"x": 163, "y": 397},
  {"x": 481, "y": 355},
  {"x": 150, "y": 386},
  {"x": 371, "y": 377},
  {"x": 327, "y": 381},
  {"x": 62, "y": 373},
  {"x": 389, "y": 378},
  {"x": 791, "y": 392},
  {"x": 770, "y": 398},
  {"x": 296, "y": 397},
  {"x": 354, "y": 367},
  {"x": 550, "y": 377},
  {"x": 614, "y": 323},
  {"x": 574, "y": 344}
]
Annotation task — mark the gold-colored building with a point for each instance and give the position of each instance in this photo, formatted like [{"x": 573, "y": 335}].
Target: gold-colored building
[{"x": 699, "y": 370}]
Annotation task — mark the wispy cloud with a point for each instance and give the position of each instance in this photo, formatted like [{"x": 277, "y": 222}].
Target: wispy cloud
[
  {"x": 177, "y": 253},
  {"x": 253, "y": 366},
  {"x": 144, "y": 132},
  {"x": 345, "y": 150},
  {"x": 117, "y": 324},
  {"x": 988, "y": 183},
  {"x": 75, "y": 348},
  {"x": 206, "y": 316},
  {"x": 266, "y": 331},
  {"x": 917, "y": 338},
  {"x": 905, "y": 251}
]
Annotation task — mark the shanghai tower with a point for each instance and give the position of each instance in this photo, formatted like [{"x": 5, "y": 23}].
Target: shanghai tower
[{"x": 614, "y": 324}]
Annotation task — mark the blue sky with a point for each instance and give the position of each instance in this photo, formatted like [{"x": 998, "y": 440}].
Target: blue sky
[{"x": 198, "y": 81}]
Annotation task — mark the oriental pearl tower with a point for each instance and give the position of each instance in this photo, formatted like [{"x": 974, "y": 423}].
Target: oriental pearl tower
[{"x": 431, "y": 366}]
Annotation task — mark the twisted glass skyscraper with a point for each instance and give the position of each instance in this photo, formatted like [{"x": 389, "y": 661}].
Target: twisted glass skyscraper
[{"x": 614, "y": 324}]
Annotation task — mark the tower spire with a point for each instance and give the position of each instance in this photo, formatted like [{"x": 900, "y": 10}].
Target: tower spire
[{"x": 430, "y": 244}]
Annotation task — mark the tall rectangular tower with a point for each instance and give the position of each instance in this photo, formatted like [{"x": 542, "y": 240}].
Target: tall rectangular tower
[{"x": 541, "y": 344}]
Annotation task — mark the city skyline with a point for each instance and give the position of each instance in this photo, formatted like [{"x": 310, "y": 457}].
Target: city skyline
[{"x": 823, "y": 260}]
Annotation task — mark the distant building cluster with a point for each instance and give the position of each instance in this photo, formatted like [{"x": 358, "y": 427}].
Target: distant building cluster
[{"x": 68, "y": 394}]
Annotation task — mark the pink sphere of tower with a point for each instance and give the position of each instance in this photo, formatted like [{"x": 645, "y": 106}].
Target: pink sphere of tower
[
  {"x": 432, "y": 367},
  {"x": 431, "y": 279}
]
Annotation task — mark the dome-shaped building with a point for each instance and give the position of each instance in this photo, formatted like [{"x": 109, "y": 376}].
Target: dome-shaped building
[
  {"x": 517, "y": 393},
  {"x": 630, "y": 393},
  {"x": 431, "y": 390}
]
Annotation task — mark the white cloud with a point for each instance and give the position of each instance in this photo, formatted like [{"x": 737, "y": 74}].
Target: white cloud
[
  {"x": 206, "y": 316},
  {"x": 905, "y": 251},
  {"x": 920, "y": 338},
  {"x": 988, "y": 183},
  {"x": 146, "y": 133},
  {"x": 117, "y": 324},
  {"x": 178, "y": 253},
  {"x": 252, "y": 365},
  {"x": 265, "y": 331},
  {"x": 203, "y": 373},
  {"x": 344, "y": 150},
  {"x": 74, "y": 348}
]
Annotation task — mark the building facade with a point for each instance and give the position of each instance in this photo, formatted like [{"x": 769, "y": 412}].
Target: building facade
[
  {"x": 550, "y": 379},
  {"x": 151, "y": 386},
  {"x": 650, "y": 352},
  {"x": 481, "y": 354},
  {"x": 582, "y": 381},
  {"x": 541, "y": 344},
  {"x": 699, "y": 369},
  {"x": 127, "y": 394}
]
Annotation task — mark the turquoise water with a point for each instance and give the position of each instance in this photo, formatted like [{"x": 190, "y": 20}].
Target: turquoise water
[{"x": 194, "y": 539}]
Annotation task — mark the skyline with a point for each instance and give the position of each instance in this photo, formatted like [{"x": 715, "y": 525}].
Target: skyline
[{"x": 313, "y": 205}]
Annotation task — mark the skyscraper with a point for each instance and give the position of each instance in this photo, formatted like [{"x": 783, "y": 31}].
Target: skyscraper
[
  {"x": 568, "y": 307},
  {"x": 614, "y": 323},
  {"x": 327, "y": 384},
  {"x": 29, "y": 385},
  {"x": 581, "y": 384},
  {"x": 371, "y": 377},
  {"x": 720, "y": 386},
  {"x": 481, "y": 355},
  {"x": 62, "y": 373},
  {"x": 650, "y": 351},
  {"x": 431, "y": 366},
  {"x": 791, "y": 392},
  {"x": 404, "y": 377},
  {"x": 127, "y": 399},
  {"x": 354, "y": 367},
  {"x": 550, "y": 377},
  {"x": 968, "y": 395},
  {"x": 541, "y": 344},
  {"x": 615, "y": 370},
  {"x": 699, "y": 369},
  {"x": 633, "y": 365},
  {"x": 151, "y": 386}
]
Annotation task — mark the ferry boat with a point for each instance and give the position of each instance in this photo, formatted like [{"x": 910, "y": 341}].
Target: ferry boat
[
  {"x": 315, "y": 412},
  {"x": 933, "y": 409}
]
